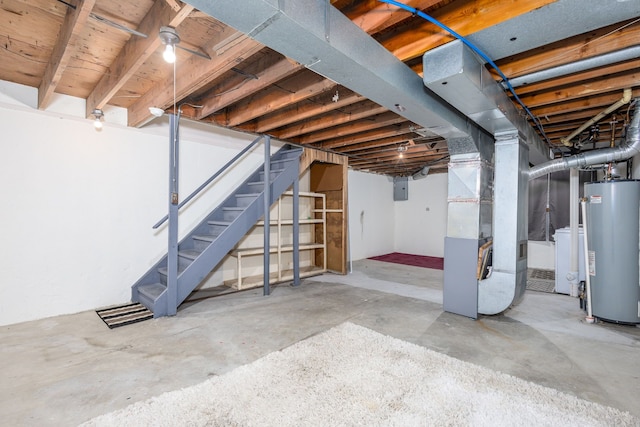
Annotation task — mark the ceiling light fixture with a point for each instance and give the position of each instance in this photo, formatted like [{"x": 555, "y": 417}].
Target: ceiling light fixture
[
  {"x": 157, "y": 112},
  {"x": 170, "y": 39},
  {"x": 98, "y": 115},
  {"x": 401, "y": 150}
]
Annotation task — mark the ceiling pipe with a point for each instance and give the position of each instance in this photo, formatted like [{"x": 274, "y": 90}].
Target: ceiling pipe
[
  {"x": 626, "y": 97},
  {"x": 626, "y": 54},
  {"x": 605, "y": 155}
]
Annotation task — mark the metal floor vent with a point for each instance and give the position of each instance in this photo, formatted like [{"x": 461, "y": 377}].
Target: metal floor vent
[{"x": 541, "y": 280}]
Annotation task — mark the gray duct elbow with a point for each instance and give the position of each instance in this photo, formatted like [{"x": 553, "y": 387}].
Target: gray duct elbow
[{"x": 605, "y": 155}]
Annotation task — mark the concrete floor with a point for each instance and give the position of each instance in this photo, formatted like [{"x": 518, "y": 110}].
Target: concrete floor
[{"x": 68, "y": 369}]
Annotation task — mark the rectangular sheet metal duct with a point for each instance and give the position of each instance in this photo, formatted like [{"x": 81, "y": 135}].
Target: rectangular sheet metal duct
[
  {"x": 317, "y": 35},
  {"x": 455, "y": 73}
]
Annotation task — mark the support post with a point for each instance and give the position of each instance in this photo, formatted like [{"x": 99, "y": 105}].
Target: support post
[
  {"x": 172, "y": 256},
  {"x": 296, "y": 232},
  {"x": 267, "y": 217}
]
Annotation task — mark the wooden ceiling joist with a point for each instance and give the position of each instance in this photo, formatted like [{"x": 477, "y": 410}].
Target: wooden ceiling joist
[
  {"x": 264, "y": 76},
  {"x": 464, "y": 17},
  {"x": 135, "y": 52},
  {"x": 302, "y": 86},
  {"x": 195, "y": 72},
  {"x": 357, "y": 112},
  {"x": 307, "y": 109},
  {"x": 74, "y": 22},
  {"x": 367, "y": 136}
]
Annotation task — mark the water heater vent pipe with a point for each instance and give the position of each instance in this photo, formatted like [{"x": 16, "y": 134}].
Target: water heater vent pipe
[{"x": 595, "y": 157}]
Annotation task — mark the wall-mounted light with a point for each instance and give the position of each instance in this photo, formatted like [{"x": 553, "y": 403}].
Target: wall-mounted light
[
  {"x": 98, "y": 115},
  {"x": 170, "y": 39}
]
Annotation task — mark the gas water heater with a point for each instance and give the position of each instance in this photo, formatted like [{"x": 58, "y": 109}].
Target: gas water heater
[{"x": 613, "y": 226}]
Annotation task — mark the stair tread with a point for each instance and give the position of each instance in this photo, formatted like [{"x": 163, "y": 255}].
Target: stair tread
[
  {"x": 248, "y": 195},
  {"x": 205, "y": 237},
  {"x": 152, "y": 290},
  {"x": 164, "y": 271},
  {"x": 218, "y": 222},
  {"x": 234, "y": 208},
  {"x": 190, "y": 253}
]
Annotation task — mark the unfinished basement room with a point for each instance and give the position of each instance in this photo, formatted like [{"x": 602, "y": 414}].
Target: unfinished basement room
[{"x": 320, "y": 213}]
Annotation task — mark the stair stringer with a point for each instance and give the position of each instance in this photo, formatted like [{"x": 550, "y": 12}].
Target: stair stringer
[{"x": 191, "y": 276}]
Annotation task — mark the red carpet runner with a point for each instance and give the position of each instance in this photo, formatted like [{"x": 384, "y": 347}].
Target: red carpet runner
[{"x": 415, "y": 260}]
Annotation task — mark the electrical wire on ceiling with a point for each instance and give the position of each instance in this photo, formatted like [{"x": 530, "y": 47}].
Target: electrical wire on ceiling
[{"x": 477, "y": 50}]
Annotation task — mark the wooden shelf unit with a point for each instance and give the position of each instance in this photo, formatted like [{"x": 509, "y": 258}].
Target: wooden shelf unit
[{"x": 318, "y": 208}]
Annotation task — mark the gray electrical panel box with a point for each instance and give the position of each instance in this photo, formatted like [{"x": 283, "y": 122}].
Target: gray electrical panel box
[{"x": 400, "y": 188}]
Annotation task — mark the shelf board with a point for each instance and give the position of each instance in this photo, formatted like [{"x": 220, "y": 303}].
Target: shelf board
[
  {"x": 287, "y": 275},
  {"x": 290, "y": 222},
  {"x": 274, "y": 249}
]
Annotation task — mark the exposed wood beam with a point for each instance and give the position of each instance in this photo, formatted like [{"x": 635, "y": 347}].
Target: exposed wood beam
[
  {"x": 593, "y": 87},
  {"x": 383, "y": 15},
  {"x": 74, "y": 22},
  {"x": 195, "y": 73},
  {"x": 268, "y": 75},
  {"x": 306, "y": 85},
  {"x": 366, "y": 146},
  {"x": 380, "y": 121},
  {"x": 302, "y": 111},
  {"x": 135, "y": 52},
  {"x": 576, "y": 78},
  {"x": 173, "y": 4},
  {"x": 368, "y": 136},
  {"x": 394, "y": 154},
  {"x": 463, "y": 16},
  {"x": 360, "y": 111},
  {"x": 603, "y": 100},
  {"x": 571, "y": 50},
  {"x": 381, "y": 148}
]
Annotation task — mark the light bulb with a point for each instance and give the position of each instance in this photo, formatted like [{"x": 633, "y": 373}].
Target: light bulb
[
  {"x": 401, "y": 155},
  {"x": 97, "y": 123},
  {"x": 169, "y": 54}
]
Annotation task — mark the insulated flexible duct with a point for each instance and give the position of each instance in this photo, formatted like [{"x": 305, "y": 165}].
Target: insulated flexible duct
[{"x": 605, "y": 155}]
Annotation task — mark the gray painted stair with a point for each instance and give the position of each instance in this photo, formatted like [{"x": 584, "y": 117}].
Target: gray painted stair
[{"x": 208, "y": 243}]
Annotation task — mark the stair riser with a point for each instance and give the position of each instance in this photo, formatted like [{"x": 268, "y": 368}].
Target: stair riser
[
  {"x": 216, "y": 229},
  {"x": 230, "y": 215},
  {"x": 142, "y": 299},
  {"x": 273, "y": 175},
  {"x": 280, "y": 164},
  {"x": 257, "y": 187},
  {"x": 183, "y": 262},
  {"x": 200, "y": 245},
  {"x": 244, "y": 201},
  {"x": 240, "y": 210},
  {"x": 291, "y": 154},
  {"x": 163, "y": 279}
]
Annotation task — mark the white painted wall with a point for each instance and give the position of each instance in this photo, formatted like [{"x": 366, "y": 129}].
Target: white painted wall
[
  {"x": 421, "y": 221},
  {"x": 379, "y": 225},
  {"x": 371, "y": 215},
  {"x": 541, "y": 255},
  {"x": 78, "y": 204}
]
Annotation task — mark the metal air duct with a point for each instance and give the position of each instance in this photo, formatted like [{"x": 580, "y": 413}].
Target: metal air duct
[
  {"x": 595, "y": 157},
  {"x": 459, "y": 76},
  {"x": 621, "y": 55},
  {"x": 317, "y": 35}
]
